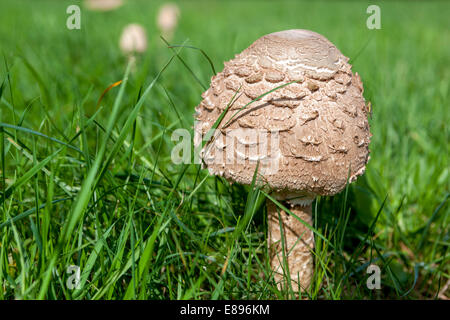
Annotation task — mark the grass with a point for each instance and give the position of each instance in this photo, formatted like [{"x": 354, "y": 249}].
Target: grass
[{"x": 95, "y": 187}]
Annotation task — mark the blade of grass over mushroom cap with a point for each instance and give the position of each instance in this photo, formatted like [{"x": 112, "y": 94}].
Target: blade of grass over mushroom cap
[
  {"x": 256, "y": 99},
  {"x": 216, "y": 124}
]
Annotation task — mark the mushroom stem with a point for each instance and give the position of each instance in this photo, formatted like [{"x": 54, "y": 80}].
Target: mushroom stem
[
  {"x": 292, "y": 257},
  {"x": 132, "y": 61}
]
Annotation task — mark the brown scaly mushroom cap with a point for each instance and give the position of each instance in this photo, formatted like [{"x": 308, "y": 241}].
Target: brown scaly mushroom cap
[{"x": 320, "y": 121}]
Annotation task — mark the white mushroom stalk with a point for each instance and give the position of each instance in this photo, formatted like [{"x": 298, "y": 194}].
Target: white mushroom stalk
[
  {"x": 133, "y": 41},
  {"x": 290, "y": 243},
  {"x": 167, "y": 20},
  {"x": 308, "y": 131},
  {"x": 103, "y": 5}
]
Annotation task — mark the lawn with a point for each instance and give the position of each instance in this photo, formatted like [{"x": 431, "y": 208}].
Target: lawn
[{"x": 88, "y": 182}]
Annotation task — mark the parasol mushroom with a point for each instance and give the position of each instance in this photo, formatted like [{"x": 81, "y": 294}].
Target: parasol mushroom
[
  {"x": 309, "y": 134},
  {"x": 133, "y": 40}
]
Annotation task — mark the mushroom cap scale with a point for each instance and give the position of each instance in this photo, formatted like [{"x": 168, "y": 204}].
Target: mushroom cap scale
[{"x": 309, "y": 137}]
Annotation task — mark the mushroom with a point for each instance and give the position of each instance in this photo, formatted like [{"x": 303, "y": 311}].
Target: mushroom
[
  {"x": 308, "y": 136},
  {"x": 133, "y": 41},
  {"x": 167, "y": 19},
  {"x": 103, "y": 5}
]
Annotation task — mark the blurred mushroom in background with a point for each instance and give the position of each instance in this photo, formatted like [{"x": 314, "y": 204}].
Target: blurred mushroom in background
[
  {"x": 133, "y": 41},
  {"x": 167, "y": 19},
  {"x": 103, "y": 5}
]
